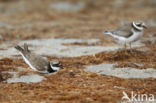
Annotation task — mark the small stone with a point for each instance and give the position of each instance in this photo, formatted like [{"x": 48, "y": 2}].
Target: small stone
[
  {"x": 126, "y": 72},
  {"x": 31, "y": 78},
  {"x": 68, "y": 7}
]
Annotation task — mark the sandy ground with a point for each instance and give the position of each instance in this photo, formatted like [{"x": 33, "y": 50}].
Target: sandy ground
[{"x": 37, "y": 19}]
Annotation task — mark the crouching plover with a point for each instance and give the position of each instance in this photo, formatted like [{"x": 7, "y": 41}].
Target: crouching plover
[
  {"x": 38, "y": 63},
  {"x": 128, "y": 33}
]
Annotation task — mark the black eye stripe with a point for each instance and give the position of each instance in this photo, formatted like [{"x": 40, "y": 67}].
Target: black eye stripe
[
  {"x": 139, "y": 25},
  {"x": 56, "y": 65}
]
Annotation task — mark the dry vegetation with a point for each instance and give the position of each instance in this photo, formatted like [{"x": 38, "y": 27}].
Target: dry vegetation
[{"x": 31, "y": 19}]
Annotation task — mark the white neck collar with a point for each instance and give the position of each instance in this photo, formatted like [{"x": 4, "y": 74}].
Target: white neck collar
[
  {"x": 136, "y": 27},
  {"x": 54, "y": 68}
]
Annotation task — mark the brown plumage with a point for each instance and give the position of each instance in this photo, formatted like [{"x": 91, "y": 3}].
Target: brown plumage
[
  {"x": 124, "y": 31},
  {"x": 128, "y": 33},
  {"x": 36, "y": 62}
]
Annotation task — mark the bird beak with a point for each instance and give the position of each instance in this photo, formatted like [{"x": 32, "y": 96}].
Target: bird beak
[
  {"x": 61, "y": 67},
  {"x": 144, "y": 26}
]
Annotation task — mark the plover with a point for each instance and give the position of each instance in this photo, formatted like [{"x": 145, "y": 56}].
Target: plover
[
  {"x": 128, "y": 33},
  {"x": 37, "y": 62}
]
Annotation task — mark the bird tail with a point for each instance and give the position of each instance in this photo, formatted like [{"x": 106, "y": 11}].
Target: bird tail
[
  {"x": 26, "y": 47},
  {"x": 19, "y": 48}
]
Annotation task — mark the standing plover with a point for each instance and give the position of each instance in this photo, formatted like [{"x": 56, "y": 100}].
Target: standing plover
[
  {"x": 38, "y": 63},
  {"x": 128, "y": 33}
]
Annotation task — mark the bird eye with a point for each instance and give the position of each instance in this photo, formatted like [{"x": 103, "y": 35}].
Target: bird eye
[
  {"x": 56, "y": 65},
  {"x": 139, "y": 25}
]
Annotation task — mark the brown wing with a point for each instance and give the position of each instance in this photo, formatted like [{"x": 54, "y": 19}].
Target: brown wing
[
  {"x": 124, "y": 31},
  {"x": 38, "y": 62},
  {"x": 23, "y": 51},
  {"x": 26, "y": 48}
]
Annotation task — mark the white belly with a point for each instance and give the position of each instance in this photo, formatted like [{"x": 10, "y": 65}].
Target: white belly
[{"x": 133, "y": 38}]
